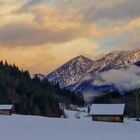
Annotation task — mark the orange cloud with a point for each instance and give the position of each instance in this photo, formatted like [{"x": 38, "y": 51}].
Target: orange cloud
[
  {"x": 43, "y": 24},
  {"x": 41, "y": 37},
  {"x": 44, "y": 59},
  {"x": 126, "y": 27}
]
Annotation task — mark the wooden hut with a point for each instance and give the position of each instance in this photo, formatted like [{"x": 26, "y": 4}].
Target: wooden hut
[
  {"x": 107, "y": 112},
  {"x": 6, "y": 109}
]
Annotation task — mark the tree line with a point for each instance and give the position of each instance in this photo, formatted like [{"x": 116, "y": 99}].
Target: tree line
[{"x": 30, "y": 95}]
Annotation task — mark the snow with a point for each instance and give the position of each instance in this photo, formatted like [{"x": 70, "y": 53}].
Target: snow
[
  {"x": 107, "y": 109},
  {"x": 80, "y": 70},
  {"x": 70, "y": 72},
  {"x": 18, "y": 127},
  {"x": 71, "y": 114},
  {"x": 5, "y": 107}
]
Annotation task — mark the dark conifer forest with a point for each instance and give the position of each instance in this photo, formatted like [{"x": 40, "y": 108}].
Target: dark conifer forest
[{"x": 31, "y": 96}]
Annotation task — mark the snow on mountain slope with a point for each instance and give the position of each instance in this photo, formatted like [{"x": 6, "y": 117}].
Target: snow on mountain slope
[
  {"x": 71, "y": 72},
  {"x": 116, "y": 60},
  {"x": 112, "y": 61},
  {"x": 80, "y": 73},
  {"x": 18, "y": 127}
]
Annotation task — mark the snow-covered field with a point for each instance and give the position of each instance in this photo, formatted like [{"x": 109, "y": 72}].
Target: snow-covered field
[
  {"x": 75, "y": 114},
  {"x": 18, "y": 127}
]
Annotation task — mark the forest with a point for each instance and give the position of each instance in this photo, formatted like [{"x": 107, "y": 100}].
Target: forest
[{"x": 31, "y": 96}]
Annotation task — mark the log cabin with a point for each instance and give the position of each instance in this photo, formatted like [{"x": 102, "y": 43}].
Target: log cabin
[
  {"x": 107, "y": 112},
  {"x": 6, "y": 109}
]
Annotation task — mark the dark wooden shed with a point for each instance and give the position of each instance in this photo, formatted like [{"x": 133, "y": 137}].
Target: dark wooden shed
[
  {"x": 6, "y": 109},
  {"x": 107, "y": 112}
]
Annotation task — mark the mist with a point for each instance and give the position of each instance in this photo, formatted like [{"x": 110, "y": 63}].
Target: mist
[
  {"x": 124, "y": 80},
  {"x": 89, "y": 96}
]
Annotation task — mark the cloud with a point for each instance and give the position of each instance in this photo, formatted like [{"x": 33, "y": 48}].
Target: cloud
[
  {"x": 77, "y": 47},
  {"x": 132, "y": 42},
  {"x": 124, "y": 80},
  {"x": 46, "y": 58},
  {"x": 128, "y": 9},
  {"x": 36, "y": 60},
  {"x": 25, "y": 7},
  {"x": 94, "y": 10},
  {"x": 53, "y": 31},
  {"x": 27, "y": 35},
  {"x": 62, "y": 21},
  {"x": 70, "y": 27},
  {"x": 1, "y": 2}
]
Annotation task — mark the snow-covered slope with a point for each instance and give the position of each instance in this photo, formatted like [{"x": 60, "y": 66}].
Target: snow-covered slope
[
  {"x": 71, "y": 72},
  {"x": 116, "y": 60},
  {"x": 80, "y": 73},
  {"x": 113, "y": 61},
  {"x": 18, "y": 127}
]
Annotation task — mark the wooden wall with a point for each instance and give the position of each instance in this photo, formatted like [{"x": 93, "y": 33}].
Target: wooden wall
[
  {"x": 108, "y": 118},
  {"x": 5, "y": 112}
]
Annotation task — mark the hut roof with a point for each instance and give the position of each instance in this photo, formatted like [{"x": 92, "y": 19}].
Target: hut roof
[
  {"x": 6, "y": 107},
  {"x": 107, "y": 109}
]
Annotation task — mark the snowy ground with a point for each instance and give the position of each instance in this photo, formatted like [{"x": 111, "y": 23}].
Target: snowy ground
[
  {"x": 18, "y": 127},
  {"x": 76, "y": 114}
]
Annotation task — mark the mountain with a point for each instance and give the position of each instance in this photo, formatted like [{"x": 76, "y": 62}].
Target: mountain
[
  {"x": 113, "y": 61},
  {"x": 71, "y": 72},
  {"x": 80, "y": 73},
  {"x": 116, "y": 60}
]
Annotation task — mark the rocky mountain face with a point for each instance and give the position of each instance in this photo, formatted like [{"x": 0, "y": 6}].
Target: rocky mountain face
[
  {"x": 113, "y": 61},
  {"x": 116, "y": 60},
  {"x": 80, "y": 73},
  {"x": 71, "y": 72}
]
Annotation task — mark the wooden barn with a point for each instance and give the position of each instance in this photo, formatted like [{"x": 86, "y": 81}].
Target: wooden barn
[
  {"x": 107, "y": 112},
  {"x": 6, "y": 109}
]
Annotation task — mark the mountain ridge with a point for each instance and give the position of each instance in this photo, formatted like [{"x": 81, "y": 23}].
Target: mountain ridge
[
  {"x": 79, "y": 70},
  {"x": 71, "y": 71}
]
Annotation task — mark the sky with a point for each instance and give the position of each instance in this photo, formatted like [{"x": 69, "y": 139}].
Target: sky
[{"x": 41, "y": 35}]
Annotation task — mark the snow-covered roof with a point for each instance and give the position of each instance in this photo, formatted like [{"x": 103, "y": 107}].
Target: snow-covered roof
[
  {"x": 107, "y": 109},
  {"x": 6, "y": 107}
]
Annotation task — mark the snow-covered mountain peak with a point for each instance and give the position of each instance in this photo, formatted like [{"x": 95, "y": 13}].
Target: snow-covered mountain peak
[
  {"x": 81, "y": 58},
  {"x": 113, "y": 61},
  {"x": 71, "y": 71},
  {"x": 116, "y": 60},
  {"x": 135, "y": 53},
  {"x": 80, "y": 72}
]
